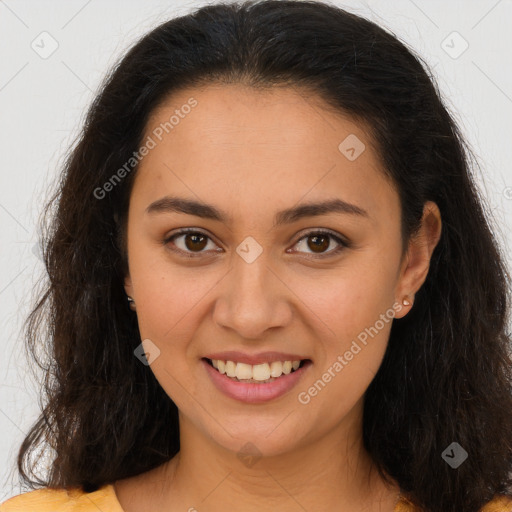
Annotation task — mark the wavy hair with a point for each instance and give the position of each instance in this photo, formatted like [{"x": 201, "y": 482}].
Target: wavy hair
[{"x": 446, "y": 374}]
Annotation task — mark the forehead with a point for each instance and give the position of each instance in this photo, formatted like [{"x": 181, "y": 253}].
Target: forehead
[
  {"x": 274, "y": 145},
  {"x": 233, "y": 114}
]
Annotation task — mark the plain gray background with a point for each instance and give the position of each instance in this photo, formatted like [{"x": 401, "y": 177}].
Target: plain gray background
[{"x": 44, "y": 95}]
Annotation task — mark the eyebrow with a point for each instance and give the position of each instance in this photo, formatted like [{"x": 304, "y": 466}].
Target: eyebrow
[{"x": 170, "y": 204}]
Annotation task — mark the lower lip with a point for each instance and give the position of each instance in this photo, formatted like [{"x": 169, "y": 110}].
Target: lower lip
[{"x": 251, "y": 392}]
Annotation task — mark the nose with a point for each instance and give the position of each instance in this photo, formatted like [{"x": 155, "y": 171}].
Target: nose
[{"x": 253, "y": 298}]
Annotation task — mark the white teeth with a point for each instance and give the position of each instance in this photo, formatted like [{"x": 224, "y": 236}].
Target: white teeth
[
  {"x": 230, "y": 369},
  {"x": 243, "y": 371},
  {"x": 260, "y": 372},
  {"x": 276, "y": 368}
]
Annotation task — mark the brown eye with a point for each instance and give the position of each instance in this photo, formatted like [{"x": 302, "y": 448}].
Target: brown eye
[
  {"x": 195, "y": 241},
  {"x": 319, "y": 241},
  {"x": 192, "y": 243},
  {"x": 189, "y": 242}
]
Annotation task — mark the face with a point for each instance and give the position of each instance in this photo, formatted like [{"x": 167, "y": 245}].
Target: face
[{"x": 314, "y": 285}]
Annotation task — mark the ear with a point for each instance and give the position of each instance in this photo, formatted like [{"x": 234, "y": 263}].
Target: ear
[
  {"x": 416, "y": 263},
  {"x": 128, "y": 285}
]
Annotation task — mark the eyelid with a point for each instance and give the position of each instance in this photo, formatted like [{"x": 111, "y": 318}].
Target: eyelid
[
  {"x": 342, "y": 242},
  {"x": 338, "y": 238},
  {"x": 185, "y": 231},
  {"x": 324, "y": 231}
]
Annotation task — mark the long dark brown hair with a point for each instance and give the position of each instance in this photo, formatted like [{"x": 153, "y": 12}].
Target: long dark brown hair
[{"x": 446, "y": 374}]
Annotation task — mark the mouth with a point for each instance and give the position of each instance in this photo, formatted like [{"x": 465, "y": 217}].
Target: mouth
[
  {"x": 261, "y": 374},
  {"x": 228, "y": 378}
]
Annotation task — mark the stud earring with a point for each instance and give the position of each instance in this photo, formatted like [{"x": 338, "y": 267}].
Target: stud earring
[
  {"x": 406, "y": 301},
  {"x": 131, "y": 303}
]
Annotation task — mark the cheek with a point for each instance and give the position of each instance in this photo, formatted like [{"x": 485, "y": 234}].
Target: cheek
[
  {"x": 350, "y": 350},
  {"x": 171, "y": 298},
  {"x": 167, "y": 292},
  {"x": 352, "y": 314},
  {"x": 172, "y": 301},
  {"x": 347, "y": 300}
]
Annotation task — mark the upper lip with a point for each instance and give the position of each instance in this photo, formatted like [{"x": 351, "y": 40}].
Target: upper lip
[{"x": 252, "y": 359}]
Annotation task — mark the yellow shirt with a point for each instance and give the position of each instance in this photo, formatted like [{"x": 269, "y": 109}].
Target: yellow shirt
[{"x": 105, "y": 499}]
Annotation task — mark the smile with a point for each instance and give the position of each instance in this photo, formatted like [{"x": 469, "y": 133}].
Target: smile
[
  {"x": 255, "y": 383},
  {"x": 265, "y": 372}
]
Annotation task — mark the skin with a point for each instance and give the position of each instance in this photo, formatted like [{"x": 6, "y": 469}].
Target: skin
[{"x": 252, "y": 153}]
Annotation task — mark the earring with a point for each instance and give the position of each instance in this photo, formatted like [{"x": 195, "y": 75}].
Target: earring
[
  {"x": 406, "y": 301},
  {"x": 131, "y": 303}
]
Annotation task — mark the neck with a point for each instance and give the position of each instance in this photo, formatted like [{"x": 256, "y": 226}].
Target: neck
[{"x": 333, "y": 472}]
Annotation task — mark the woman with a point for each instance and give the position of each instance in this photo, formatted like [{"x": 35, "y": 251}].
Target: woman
[{"x": 272, "y": 283}]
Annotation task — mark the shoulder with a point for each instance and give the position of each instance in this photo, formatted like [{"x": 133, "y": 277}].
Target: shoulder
[
  {"x": 63, "y": 500},
  {"x": 500, "y": 503}
]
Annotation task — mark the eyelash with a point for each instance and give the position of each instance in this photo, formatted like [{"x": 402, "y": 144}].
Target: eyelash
[{"x": 343, "y": 244}]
